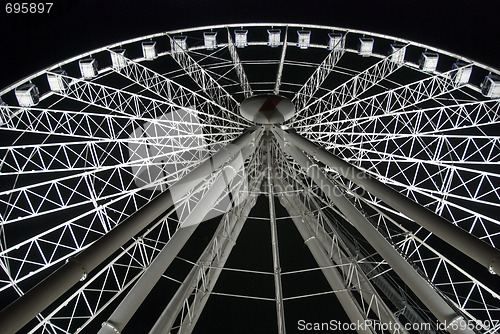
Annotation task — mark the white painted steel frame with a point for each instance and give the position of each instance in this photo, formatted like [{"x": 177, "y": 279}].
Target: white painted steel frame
[{"x": 431, "y": 138}]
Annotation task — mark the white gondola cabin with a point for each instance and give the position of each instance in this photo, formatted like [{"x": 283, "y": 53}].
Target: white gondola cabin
[
  {"x": 57, "y": 80},
  {"x": 179, "y": 44},
  {"x": 240, "y": 38},
  {"x": 428, "y": 61},
  {"x": 27, "y": 95},
  {"x": 335, "y": 42},
  {"x": 461, "y": 72},
  {"x": 210, "y": 39},
  {"x": 274, "y": 37},
  {"x": 365, "y": 46},
  {"x": 491, "y": 86},
  {"x": 397, "y": 53},
  {"x": 118, "y": 58},
  {"x": 304, "y": 39},
  {"x": 88, "y": 67},
  {"x": 149, "y": 50}
]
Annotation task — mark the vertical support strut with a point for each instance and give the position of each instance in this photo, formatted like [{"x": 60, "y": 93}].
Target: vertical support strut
[
  {"x": 129, "y": 305},
  {"x": 423, "y": 290},
  {"x": 238, "y": 67},
  {"x": 359, "y": 281},
  {"x": 279, "y": 74},
  {"x": 26, "y": 307},
  {"x": 331, "y": 273},
  {"x": 201, "y": 296},
  {"x": 458, "y": 238},
  {"x": 226, "y": 243},
  {"x": 274, "y": 243}
]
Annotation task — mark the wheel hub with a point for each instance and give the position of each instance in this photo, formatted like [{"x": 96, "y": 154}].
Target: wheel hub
[{"x": 267, "y": 109}]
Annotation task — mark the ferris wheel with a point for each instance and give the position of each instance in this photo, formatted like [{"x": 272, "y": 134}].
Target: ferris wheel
[{"x": 170, "y": 183}]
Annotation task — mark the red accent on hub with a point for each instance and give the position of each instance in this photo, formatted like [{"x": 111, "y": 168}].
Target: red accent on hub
[{"x": 271, "y": 103}]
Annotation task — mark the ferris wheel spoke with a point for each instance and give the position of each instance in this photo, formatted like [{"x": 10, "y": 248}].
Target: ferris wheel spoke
[
  {"x": 89, "y": 126},
  {"x": 73, "y": 190},
  {"x": 387, "y": 102},
  {"x": 351, "y": 89},
  {"x": 178, "y": 95},
  {"x": 307, "y": 212},
  {"x": 448, "y": 201},
  {"x": 238, "y": 67},
  {"x": 311, "y": 86},
  {"x": 279, "y": 73},
  {"x": 202, "y": 78},
  {"x": 99, "y": 290},
  {"x": 424, "y": 121},
  {"x": 447, "y": 275},
  {"x": 74, "y": 124},
  {"x": 83, "y": 156},
  {"x": 116, "y": 100},
  {"x": 469, "y": 177},
  {"x": 52, "y": 246},
  {"x": 461, "y": 151},
  {"x": 216, "y": 66}
]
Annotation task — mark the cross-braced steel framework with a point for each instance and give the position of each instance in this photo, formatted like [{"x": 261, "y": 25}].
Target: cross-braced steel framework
[{"x": 138, "y": 178}]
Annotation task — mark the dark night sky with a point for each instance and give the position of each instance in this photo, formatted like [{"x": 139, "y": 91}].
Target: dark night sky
[{"x": 31, "y": 42}]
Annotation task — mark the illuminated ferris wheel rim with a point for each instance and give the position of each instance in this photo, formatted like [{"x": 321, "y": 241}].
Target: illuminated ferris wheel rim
[{"x": 248, "y": 25}]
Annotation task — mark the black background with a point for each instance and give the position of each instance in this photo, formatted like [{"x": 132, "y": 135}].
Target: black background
[{"x": 30, "y": 42}]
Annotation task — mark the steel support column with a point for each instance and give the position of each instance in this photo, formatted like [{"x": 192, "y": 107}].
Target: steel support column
[
  {"x": 236, "y": 220},
  {"x": 278, "y": 290},
  {"x": 455, "y": 236},
  {"x": 422, "y": 289},
  {"x": 215, "y": 254},
  {"x": 279, "y": 74},
  {"x": 129, "y": 305},
  {"x": 359, "y": 281},
  {"x": 331, "y": 273},
  {"x": 201, "y": 296}
]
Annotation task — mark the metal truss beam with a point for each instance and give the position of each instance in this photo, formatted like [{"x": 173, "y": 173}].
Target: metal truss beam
[
  {"x": 449, "y": 276},
  {"x": 331, "y": 273},
  {"x": 471, "y": 246},
  {"x": 373, "y": 276},
  {"x": 120, "y": 102},
  {"x": 203, "y": 277},
  {"x": 436, "y": 121},
  {"x": 50, "y": 196},
  {"x": 296, "y": 176},
  {"x": 129, "y": 305},
  {"x": 311, "y": 86},
  {"x": 420, "y": 286},
  {"x": 389, "y": 101},
  {"x": 238, "y": 66},
  {"x": 279, "y": 74},
  {"x": 117, "y": 283},
  {"x": 17, "y": 314},
  {"x": 183, "y": 97},
  {"x": 353, "y": 87},
  {"x": 334, "y": 242},
  {"x": 350, "y": 269},
  {"x": 280, "y": 311},
  {"x": 205, "y": 81}
]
